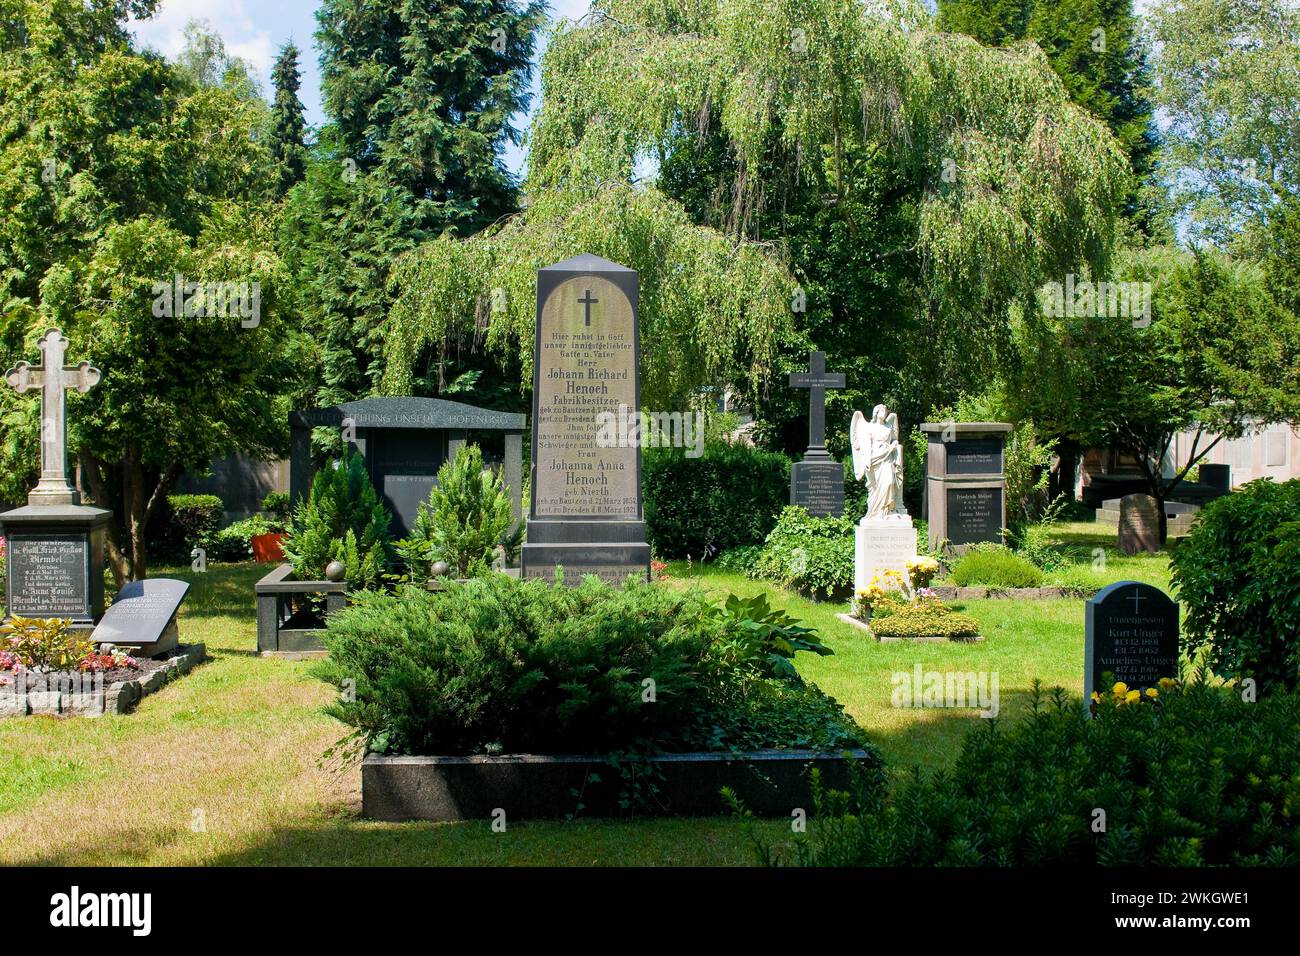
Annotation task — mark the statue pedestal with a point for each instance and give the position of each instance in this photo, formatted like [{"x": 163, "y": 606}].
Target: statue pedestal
[{"x": 882, "y": 544}]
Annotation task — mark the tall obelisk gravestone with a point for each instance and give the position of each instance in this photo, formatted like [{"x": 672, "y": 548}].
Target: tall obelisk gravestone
[
  {"x": 585, "y": 510},
  {"x": 55, "y": 544},
  {"x": 817, "y": 482}
]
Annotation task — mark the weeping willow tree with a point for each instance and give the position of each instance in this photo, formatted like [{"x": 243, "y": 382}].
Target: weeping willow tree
[{"x": 1018, "y": 184}]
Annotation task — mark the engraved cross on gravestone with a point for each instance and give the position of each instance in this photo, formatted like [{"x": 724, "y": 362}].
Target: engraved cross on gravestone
[{"x": 52, "y": 377}]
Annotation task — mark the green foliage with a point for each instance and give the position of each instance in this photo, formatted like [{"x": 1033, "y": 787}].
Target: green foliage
[
  {"x": 42, "y": 644},
  {"x": 341, "y": 519},
  {"x": 278, "y": 505},
  {"x": 996, "y": 567},
  {"x": 1095, "y": 46},
  {"x": 728, "y": 497},
  {"x": 813, "y": 556},
  {"x": 924, "y": 619},
  {"x": 420, "y": 99},
  {"x": 1218, "y": 353},
  {"x": 234, "y": 542},
  {"x": 117, "y": 173},
  {"x": 1200, "y": 779},
  {"x": 740, "y": 560},
  {"x": 466, "y": 517},
  {"x": 758, "y": 631},
  {"x": 1236, "y": 577},
  {"x": 187, "y": 522},
  {"x": 497, "y": 664},
  {"x": 287, "y": 124}
]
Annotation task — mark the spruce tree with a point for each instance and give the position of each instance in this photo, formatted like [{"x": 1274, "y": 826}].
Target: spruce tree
[
  {"x": 287, "y": 123},
  {"x": 420, "y": 97}
]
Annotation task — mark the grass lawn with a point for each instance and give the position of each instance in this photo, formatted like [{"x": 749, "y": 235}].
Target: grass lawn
[{"x": 225, "y": 766}]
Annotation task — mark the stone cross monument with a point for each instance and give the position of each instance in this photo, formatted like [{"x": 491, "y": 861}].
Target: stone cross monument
[
  {"x": 52, "y": 377},
  {"x": 55, "y": 544}
]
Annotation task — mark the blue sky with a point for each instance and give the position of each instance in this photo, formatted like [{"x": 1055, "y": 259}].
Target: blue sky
[{"x": 255, "y": 31}]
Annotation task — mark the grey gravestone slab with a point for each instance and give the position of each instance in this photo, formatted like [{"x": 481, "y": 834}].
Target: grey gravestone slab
[
  {"x": 143, "y": 617},
  {"x": 1130, "y": 632},
  {"x": 975, "y": 456},
  {"x": 817, "y": 482},
  {"x": 1139, "y": 524},
  {"x": 55, "y": 562},
  {"x": 586, "y": 512}
]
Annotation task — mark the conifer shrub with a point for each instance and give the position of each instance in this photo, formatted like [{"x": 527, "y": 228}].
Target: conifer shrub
[{"x": 341, "y": 519}]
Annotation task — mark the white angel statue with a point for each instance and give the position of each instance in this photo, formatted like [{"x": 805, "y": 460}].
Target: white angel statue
[{"x": 878, "y": 455}]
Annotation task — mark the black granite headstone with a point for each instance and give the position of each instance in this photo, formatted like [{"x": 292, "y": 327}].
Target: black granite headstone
[
  {"x": 1130, "y": 635},
  {"x": 975, "y": 456},
  {"x": 48, "y": 575},
  {"x": 817, "y": 482},
  {"x": 143, "y": 616},
  {"x": 974, "y": 514}
]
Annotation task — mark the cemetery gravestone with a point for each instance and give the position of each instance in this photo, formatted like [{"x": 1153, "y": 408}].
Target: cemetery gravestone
[
  {"x": 965, "y": 485},
  {"x": 585, "y": 513},
  {"x": 55, "y": 544},
  {"x": 1139, "y": 524},
  {"x": 817, "y": 482},
  {"x": 1131, "y": 634},
  {"x": 142, "y": 618},
  {"x": 404, "y": 441}
]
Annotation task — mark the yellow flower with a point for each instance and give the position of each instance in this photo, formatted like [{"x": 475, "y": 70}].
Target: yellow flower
[
  {"x": 1168, "y": 683},
  {"x": 1120, "y": 689},
  {"x": 1096, "y": 696},
  {"x": 1152, "y": 692},
  {"x": 1132, "y": 697}
]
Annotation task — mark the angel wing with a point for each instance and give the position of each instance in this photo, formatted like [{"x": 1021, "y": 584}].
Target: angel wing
[
  {"x": 858, "y": 441},
  {"x": 892, "y": 421}
]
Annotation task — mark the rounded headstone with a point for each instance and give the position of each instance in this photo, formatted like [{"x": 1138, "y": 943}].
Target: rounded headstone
[{"x": 335, "y": 571}]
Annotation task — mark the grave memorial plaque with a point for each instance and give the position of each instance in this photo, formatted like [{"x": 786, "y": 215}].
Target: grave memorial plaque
[
  {"x": 142, "y": 618},
  {"x": 1130, "y": 633},
  {"x": 48, "y": 576},
  {"x": 965, "y": 487},
  {"x": 585, "y": 514},
  {"x": 974, "y": 514},
  {"x": 817, "y": 482}
]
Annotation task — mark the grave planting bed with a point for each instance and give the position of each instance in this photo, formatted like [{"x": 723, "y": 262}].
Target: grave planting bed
[{"x": 117, "y": 691}]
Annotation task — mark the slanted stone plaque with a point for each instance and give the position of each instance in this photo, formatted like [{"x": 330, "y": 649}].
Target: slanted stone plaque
[
  {"x": 142, "y": 618},
  {"x": 1139, "y": 524},
  {"x": 817, "y": 482},
  {"x": 965, "y": 483},
  {"x": 1130, "y": 634},
  {"x": 585, "y": 514}
]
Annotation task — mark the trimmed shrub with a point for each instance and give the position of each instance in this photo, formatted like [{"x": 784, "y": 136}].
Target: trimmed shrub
[
  {"x": 185, "y": 523},
  {"x": 466, "y": 517},
  {"x": 1238, "y": 577},
  {"x": 341, "y": 519},
  {"x": 925, "y": 619},
  {"x": 502, "y": 665},
  {"x": 813, "y": 556},
  {"x": 727, "y": 498},
  {"x": 1198, "y": 777},
  {"x": 995, "y": 567}
]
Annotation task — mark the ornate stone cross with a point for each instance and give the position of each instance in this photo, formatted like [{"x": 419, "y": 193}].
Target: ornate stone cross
[
  {"x": 52, "y": 377},
  {"x": 816, "y": 380}
]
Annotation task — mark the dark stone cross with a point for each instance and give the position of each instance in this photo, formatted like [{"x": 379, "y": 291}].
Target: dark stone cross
[
  {"x": 816, "y": 380},
  {"x": 588, "y": 301}
]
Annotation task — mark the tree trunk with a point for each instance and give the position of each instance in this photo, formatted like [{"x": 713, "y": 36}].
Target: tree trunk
[
  {"x": 135, "y": 505},
  {"x": 93, "y": 474}
]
